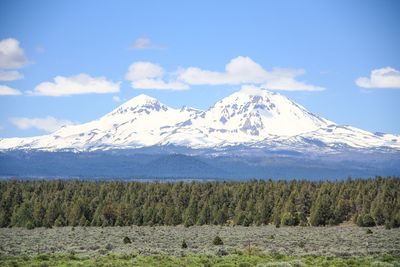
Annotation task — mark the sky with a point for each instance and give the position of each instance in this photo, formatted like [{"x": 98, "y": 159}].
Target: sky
[{"x": 66, "y": 62}]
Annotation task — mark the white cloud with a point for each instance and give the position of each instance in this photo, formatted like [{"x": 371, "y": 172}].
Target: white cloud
[
  {"x": 285, "y": 79},
  {"x": 243, "y": 70},
  {"x": 238, "y": 70},
  {"x": 159, "y": 84},
  {"x": 48, "y": 124},
  {"x": 144, "y": 70},
  {"x": 145, "y": 43},
  {"x": 116, "y": 99},
  {"x": 10, "y": 75},
  {"x": 75, "y": 85},
  {"x": 147, "y": 75},
  {"x": 12, "y": 56},
  {"x": 5, "y": 90},
  {"x": 381, "y": 78}
]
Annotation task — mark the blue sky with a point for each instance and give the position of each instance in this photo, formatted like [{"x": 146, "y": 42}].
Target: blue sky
[{"x": 311, "y": 51}]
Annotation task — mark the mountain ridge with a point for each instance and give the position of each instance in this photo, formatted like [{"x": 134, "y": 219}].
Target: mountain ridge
[{"x": 250, "y": 117}]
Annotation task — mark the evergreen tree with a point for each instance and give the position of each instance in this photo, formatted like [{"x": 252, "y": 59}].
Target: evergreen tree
[
  {"x": 70, "y": 203},
  {"x": 321, "y": 210}
]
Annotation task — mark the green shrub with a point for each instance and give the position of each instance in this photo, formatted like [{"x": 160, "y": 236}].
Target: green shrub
[
  {"x": 365, "y": 220},
  {"x": 59, "y": 222},
  {"x": 222, "y": 252},
  {"x": 43, "y": 257},
  {"x": 368, "y": 221},
  {"x": 72, "y": 255},
  {"x": 124, "y": 256},
  {"x": 217, "y": 241},
  {"x": 297, "y": 263},
  {"x": 369, "y": 231},
  {"x": 184, "y": 245},
  {"x": 290, "y": 219},
  {"x": 127, "y": 240},
  {"x": 30, "y": 225}
]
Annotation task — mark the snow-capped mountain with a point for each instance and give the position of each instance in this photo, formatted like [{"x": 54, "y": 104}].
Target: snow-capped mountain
[
  {"x": 141, "y": 121},
  {"x": 251, "y": 118},
  {"x": 245, "y": 117}
]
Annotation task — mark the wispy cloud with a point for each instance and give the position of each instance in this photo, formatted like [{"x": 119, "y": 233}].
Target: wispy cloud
[
  {"x": 6, "y": 90},
  {"x": 116, "y": 99},
  {"x": 10, "y": 75},
  {"x": 76, "y": 85},
  {"x": 381, "y": 78},
  {"x": 159, "y": 85},
  {"x": 147, "y": 75},
  {"x": 39, "y": 49},
  {"x": 48, "y": 124},
  {"x": 142, "y": 43}
]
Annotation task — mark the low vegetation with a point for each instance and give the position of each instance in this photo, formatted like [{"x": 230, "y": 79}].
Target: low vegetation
[
  {"x": 239, "y": 259},
  {"x": 338, "y": 241}
]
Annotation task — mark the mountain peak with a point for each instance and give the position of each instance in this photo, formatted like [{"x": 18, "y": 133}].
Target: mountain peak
[
  {"x": 140, "y": 99},
  {"x": 140, "y": 103},
  {"x": 253, "y": 91},
  {"x": 262, "y": 113}
]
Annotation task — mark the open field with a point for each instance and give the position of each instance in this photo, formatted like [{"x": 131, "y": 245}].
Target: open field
[
  {"x": 309, "y": 245},
  {"x": 234, "y": 259}
]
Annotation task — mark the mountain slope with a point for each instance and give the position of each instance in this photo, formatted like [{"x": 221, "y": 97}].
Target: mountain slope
[{"x": 142, "y": 121}]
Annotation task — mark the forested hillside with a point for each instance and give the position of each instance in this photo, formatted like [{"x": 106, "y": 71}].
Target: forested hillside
[{"x": 87, "y": 203}]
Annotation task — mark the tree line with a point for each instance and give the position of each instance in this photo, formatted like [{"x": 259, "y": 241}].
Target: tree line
[{"x": 258, "y": 202}]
